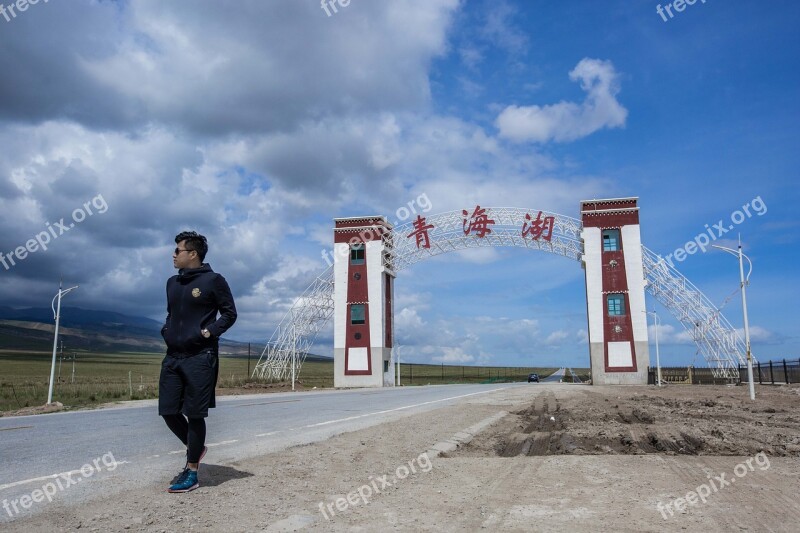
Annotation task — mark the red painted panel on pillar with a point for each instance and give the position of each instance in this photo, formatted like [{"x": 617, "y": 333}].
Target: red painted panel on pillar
[
  {"x": 357, "y": 335},
  {"x": 617, "y": 328},
  {"x": 361, "y": 331}
]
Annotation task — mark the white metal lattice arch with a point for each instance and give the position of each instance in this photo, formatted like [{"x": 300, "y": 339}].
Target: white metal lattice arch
[{"x": 716, "y": 339}]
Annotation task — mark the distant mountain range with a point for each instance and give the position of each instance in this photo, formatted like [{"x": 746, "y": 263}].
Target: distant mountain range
[
  {"x": 75, "y": 317},
  {"x": 88, "y": 329}
]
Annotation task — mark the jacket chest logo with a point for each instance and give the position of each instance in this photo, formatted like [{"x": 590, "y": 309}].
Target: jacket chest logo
[{"x": 196, "y": 292}]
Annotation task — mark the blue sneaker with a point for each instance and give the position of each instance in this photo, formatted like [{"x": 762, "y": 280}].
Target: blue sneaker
[
  {"x": 186, "y": 482},
  {"x": 179, "y": 476}
]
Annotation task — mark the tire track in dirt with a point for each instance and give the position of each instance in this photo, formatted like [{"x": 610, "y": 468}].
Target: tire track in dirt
[{"x": 542, "y": 433}]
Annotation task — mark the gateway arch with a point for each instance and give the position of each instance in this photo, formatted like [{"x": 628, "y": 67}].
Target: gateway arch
[{"x": 357, "y": 291}]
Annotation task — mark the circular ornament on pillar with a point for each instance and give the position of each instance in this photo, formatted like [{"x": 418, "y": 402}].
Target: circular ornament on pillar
[
  {"x": 357, "y": 336},
  {"x": 357, "y": 276},
  {"x": 617, "y": 329}
]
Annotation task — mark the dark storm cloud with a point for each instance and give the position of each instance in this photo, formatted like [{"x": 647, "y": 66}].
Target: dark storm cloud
[
  {"x": 213, "y": 67},
  {"x": 43, "y": 49}
]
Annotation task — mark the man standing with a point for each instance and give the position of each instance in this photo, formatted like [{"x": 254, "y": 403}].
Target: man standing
[{"x": 192, "y": 330}]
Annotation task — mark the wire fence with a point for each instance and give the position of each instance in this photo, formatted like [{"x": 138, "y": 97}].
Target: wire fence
[
  {"x": 422, "y": 374},
  {"x": 784, "y": 371},
  {"x": 773, "y": 372}
]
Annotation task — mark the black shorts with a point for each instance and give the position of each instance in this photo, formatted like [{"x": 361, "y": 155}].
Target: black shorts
[{"x": 187, "y": 384}]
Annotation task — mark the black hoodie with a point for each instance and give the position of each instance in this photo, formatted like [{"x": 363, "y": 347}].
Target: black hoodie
[{"x": 194, "y": 297}]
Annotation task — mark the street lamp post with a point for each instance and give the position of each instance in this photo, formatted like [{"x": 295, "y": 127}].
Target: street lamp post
[
  {"x": 744, "y": 282},
  {"x": 397, "y": 353},
  {"x": 57, "y": 316},
  {"x": 657, "y": 323},
  {"x": 294, "y": 353}
]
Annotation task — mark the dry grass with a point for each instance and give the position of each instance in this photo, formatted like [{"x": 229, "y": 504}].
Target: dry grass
[{"x": 107, "y": 377}]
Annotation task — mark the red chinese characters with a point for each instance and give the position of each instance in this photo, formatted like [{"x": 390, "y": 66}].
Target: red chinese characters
[
  {"x": 478, "y": 223},
  {"x": 541, "y": 227},
  {"x": 421, "y": 232}
]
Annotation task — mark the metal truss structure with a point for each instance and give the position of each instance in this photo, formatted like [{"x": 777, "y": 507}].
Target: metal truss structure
[
  {"x": 716, "y": 339},
  {"x": 297, "y": 332}
]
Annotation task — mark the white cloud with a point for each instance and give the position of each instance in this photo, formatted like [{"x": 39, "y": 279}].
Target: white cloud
[
  {"x": 407, "y": 320},
  {"x": 478, "y": 256},
  {"x": 567, "y": 121},
  {"x": 556, "y": 337},
  {"x": 454, "y": 355},
  {"x": 758, "y": 334},
  {"x": 404, "y": 297},
  {"x": 668, "y": 334},
  {"x": 471, "y": 56},
  {"x": 500, "y": 29}
]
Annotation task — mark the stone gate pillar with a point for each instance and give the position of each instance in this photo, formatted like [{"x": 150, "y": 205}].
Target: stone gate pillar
[
  {"x": 612, "y": 259},
  {"x": 363, "y": 303}
]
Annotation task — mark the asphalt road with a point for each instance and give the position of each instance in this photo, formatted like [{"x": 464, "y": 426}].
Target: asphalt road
[
  {"x": 555, "y": 377},
  {"x": 119, "y": 448}
]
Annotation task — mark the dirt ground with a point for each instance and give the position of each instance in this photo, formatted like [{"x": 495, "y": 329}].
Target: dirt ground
[
  {"x": 565, "y": 457},
  {"x": 699, "y": 420},
  {"x": 35, "y": 410}
]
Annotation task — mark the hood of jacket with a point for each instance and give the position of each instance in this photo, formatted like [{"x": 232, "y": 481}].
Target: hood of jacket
[{"x": 188, "y": 274}]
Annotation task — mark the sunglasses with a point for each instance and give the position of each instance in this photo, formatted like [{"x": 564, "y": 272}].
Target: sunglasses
[{"x": 179, "y": 250}]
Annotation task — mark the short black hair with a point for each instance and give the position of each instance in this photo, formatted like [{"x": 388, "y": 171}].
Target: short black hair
[{"x": 194, "y": 242}]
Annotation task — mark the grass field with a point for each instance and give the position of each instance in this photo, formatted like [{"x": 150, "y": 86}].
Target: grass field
[{"x": 107, "y": 377}]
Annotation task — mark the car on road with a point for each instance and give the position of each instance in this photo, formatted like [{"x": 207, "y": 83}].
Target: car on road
[{"x": 533, "y": 378}]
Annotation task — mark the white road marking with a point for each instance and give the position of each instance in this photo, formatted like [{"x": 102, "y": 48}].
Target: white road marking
[
  {"x": 378, "y": 412},
  {"x": 266, "y": 403},
  {"x": 222, "y": 443},
  {"x": 52, "y": 476},
  {"x": 398, "y": 409}
]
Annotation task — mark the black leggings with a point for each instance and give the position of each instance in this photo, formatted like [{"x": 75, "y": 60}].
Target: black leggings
[{"x": 192, "y": 433}]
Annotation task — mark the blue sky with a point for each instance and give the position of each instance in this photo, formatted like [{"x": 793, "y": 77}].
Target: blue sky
[{"x": 257, "y": 123}]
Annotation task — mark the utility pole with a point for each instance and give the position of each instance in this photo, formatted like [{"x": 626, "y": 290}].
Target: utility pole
[
  {"x": 657, "y": 323},
  {"x": 744, "y": 282},
  {"x": 397, "y": 351},
  {"x": 57, "y": 316}
]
